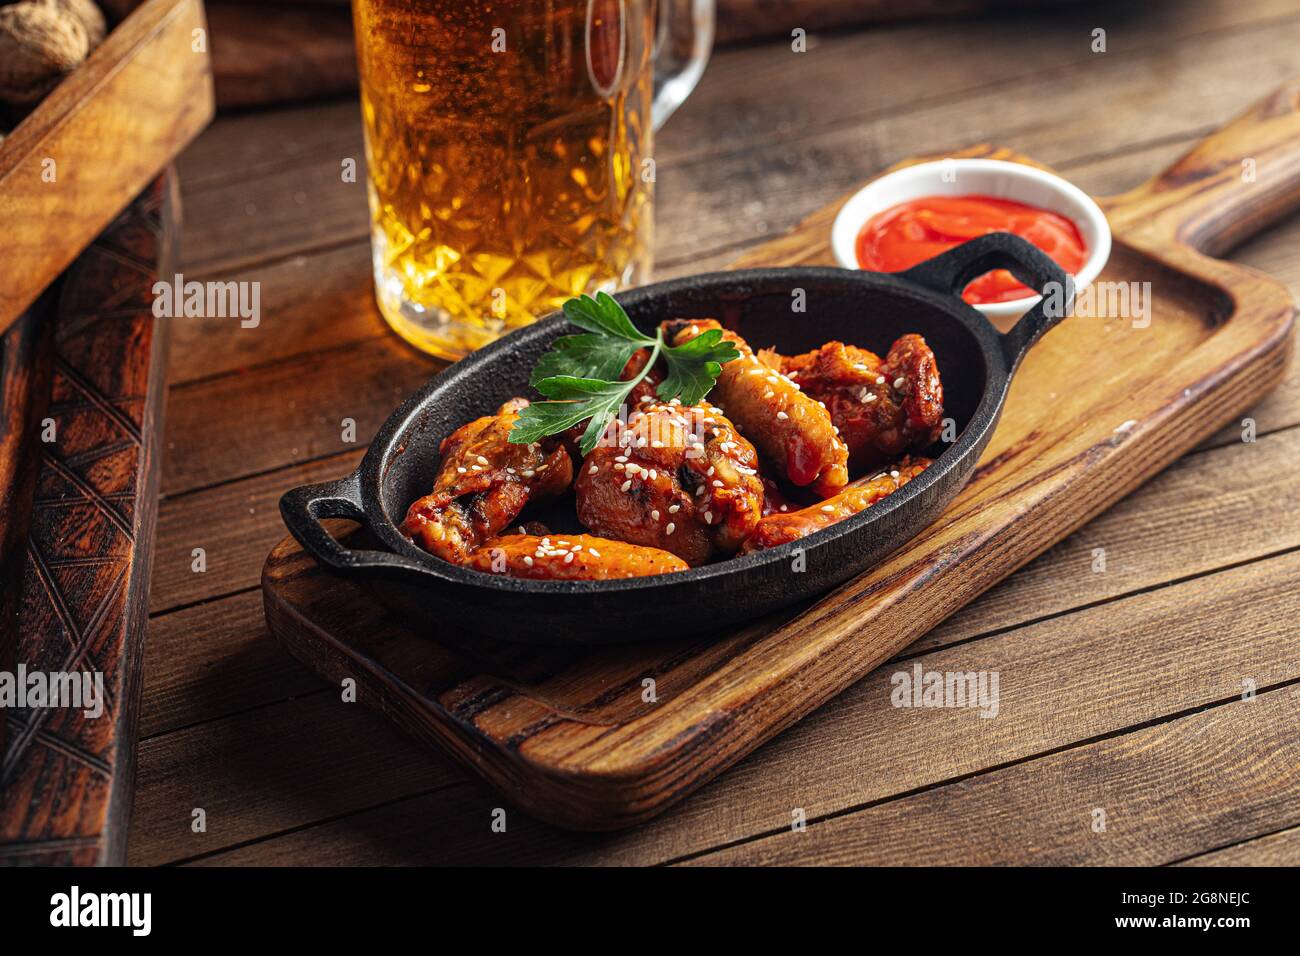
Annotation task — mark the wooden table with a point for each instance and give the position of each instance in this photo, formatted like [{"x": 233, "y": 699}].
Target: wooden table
[{"x": 1131, "y": 678}]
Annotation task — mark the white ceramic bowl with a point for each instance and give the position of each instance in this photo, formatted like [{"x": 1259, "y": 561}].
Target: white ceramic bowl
[{"x": 985, "y": 177}]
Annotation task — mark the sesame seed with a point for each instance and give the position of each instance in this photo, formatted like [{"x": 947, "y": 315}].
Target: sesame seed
[
  {"x": 710, "y": 471},
  {"x": 529, "y": 473},
  {"x": 626, "y": 485},
  {"x": 893, "y": 474},
  {"x": 708, "y": 517},
  {"x": 828, "y": 508},
  {"x": 482, "y": 460},
  {"x": 673, "y": 509},
  {"x": 568, "y": 558},
  {"x": 528, "y": 560},
  {"x": 717, "y": 483},
  {"x": 594, "y": 552},
  {"x": 900, "y": 382},
  {"x": 656, "y": 444},
  {"x": 785, "y": 507},
  {"x": 460, "y": 470},
  {"x": 654, "y": 515},
  {"x": 593, "y": 469},
  {"x": 782, "y": 416},
  {"x": 769, "y": 394},
  {"x": 670, "y": 528}
]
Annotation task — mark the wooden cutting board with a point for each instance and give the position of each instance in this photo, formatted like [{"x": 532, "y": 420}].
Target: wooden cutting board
[
  {"x": 596, "y": 739},
  {"x": 86, "y": 368}
]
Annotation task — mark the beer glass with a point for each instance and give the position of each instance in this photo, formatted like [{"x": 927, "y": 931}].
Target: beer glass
[{"x": 509, "y": 152}]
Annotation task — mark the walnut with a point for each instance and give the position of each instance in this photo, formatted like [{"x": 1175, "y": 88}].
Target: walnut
[
  {"x": 88, "y": 14},
  {"x": 40, "y": 44}
]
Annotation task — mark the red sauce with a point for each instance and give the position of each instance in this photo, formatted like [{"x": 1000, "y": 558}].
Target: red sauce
[{"x": 914, "y": 231}]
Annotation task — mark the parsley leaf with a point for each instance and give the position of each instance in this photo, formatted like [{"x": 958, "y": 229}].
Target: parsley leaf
[
  {"x": 574, "y": 400},
  {"x": 695, "y": 366},
  {"x": 580, "y": 376},
  {"x": 604, "y": 316},
  {"x": 585, "y": 356}
]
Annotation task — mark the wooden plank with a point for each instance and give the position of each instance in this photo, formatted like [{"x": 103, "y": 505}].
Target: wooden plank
[
  {"x": 1276, "y": 849},
  {"x": 268, "y": 54},
  {"x": 1091, "y": 674},
  {"x": 1226, "y": 773},
  {"x": 286, "y": 413},
  {"x": 310, "y": 303},
  {"x": 145, "y": 85},
  {"x": 213, "y": 660},
  {"x": 235, "y": 524},
  {"x": 251, "y": 773}
]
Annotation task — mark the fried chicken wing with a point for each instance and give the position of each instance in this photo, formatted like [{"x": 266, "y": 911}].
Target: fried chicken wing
[
  {"x": 676, "y": 477},
  {"x": 483, "y": 484},
  {"x": 882, "y": 408},
  {"x": 570, "y": 557},
  {"x": 791, "y": 428},
  {"x": 777, "y": 529}
]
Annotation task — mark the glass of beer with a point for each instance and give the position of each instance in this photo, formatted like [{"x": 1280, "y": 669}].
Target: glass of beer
[{"x": 509, "y": 151}]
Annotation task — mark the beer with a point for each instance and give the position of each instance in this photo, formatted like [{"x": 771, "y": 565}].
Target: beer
[{"x": 509, "y": 153}]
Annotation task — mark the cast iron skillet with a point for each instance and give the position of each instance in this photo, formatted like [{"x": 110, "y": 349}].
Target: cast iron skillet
[{"x": 862, "y": 308}]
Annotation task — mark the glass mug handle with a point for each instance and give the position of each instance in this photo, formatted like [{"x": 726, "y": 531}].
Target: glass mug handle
[{"x": 683, "y": 42}]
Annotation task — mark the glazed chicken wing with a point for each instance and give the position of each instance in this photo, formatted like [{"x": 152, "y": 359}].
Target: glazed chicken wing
[
  {"x": 882, "y": 408},
  {"x": 791, "y": 428},
  {"x": 570, "y": 557},
  {"x": 676, "y": 477},
  {"x": 780, "y": 528},
  {"x": 483, "y": 484}
]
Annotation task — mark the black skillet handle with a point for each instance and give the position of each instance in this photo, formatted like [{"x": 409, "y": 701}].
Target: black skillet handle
[
  {"x": 302, "y": 510},
  {"x": 951, "y": 271}
]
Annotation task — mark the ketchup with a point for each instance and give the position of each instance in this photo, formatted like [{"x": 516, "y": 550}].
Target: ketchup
[{"x": 914, "y": 231}]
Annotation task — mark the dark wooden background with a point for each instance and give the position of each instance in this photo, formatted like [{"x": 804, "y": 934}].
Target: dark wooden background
[{"x": 1198, "y": 594}]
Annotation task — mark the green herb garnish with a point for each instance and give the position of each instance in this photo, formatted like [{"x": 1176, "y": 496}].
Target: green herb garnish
[{"x": 580, "y": 376}]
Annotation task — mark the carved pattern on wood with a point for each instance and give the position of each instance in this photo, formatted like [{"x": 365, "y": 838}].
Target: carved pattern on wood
[{"x": 67, "y": 778}]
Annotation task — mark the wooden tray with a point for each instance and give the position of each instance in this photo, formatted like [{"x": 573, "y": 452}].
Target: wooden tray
[
  {"x": 607, "y": 738},
  {"x": 78, "y": 518},
  {"x": 109, "y": 129}
]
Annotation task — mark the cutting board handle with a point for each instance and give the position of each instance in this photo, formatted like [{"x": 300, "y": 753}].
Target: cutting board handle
[{"x": 1235, "y": 182}]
